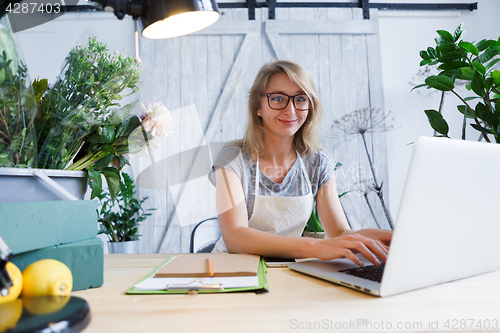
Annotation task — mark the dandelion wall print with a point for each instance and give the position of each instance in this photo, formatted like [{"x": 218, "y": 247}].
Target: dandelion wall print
[{"x": 360, "y": 122}]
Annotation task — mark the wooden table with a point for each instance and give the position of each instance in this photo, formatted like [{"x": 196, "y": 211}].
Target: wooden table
[{"x": 294, "y": 303}]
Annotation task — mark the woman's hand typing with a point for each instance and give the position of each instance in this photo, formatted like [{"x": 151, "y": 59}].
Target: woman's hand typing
[
  {"x": 347, "y": 245},
  {"x": 385, "y": 236}
]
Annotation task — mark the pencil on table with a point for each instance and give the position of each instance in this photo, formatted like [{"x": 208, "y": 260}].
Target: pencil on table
[{"x": 210, "y": 267}]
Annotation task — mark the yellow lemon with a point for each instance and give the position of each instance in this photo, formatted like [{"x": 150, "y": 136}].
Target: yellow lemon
[
  {"x": 45, "y": 304},
  {"x": 17, "y": 283},
  {"x": 47, "y": 277},
  {"x": 10, "y": 313}
]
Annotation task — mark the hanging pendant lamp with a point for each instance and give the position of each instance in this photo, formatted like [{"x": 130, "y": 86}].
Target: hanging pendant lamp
[
  {"x": 164, "y": 18},
  {"x": 173, "y": 18}
]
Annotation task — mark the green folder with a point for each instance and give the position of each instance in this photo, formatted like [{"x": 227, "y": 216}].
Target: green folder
[{"x": 262, "y": 287}]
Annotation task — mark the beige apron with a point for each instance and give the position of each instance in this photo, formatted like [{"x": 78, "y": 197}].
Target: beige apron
[{"x": 284, "y": 216}]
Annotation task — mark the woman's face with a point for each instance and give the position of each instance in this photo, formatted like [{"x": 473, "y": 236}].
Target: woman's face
[{"x": 286, "y": 122}]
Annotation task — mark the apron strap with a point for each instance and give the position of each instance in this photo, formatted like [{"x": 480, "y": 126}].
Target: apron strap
[
  {"x": 257, "y": 179},
  {"x": 305, "y": 171}
]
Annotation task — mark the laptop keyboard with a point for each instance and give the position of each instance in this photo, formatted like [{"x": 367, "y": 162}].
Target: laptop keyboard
[{"x": 372, "y": 272}]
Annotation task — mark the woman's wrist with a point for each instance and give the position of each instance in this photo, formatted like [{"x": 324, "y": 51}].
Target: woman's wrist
[
  {"x": 365, "y": 232},
  {"x": 348, "y": 232},
  {"x": 309, "y": 248}
]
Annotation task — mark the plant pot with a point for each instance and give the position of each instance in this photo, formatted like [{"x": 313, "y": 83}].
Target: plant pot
[
  {"x": 321, "y": 234},
  {"x": 27, "y": 184},
  {"x": 129, "y": 247}
]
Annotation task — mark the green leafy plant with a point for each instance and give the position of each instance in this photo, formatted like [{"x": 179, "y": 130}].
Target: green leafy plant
[
  {"x": 104, "y": 153},
  {"x": 82, "y": 114},
  {"x": 314, "y": 224},
  {"x": 17, "y": 106},
  {"x": 106, "y": 150},
  {"x": 477, "y": 65},
  {"x": 120, "y": 218},
  {"x": 17, "y": 109},
  {"x": 81, "y": 122}
]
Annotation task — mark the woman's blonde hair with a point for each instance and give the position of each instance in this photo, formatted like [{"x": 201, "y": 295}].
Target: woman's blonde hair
[{"x": 307, "y": 138}]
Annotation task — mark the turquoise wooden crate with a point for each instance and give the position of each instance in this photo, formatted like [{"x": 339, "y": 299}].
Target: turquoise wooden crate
[
  {"x": 84, "y": 258},
  {"x": 27, "y": 226}
]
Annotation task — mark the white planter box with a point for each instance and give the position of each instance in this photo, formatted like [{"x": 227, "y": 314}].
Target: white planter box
[{"x": 27, "y": 184}]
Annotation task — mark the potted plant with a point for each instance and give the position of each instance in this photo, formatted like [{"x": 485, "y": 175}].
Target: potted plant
[
  {"x": 46, "y": 126},
  {"x": 79, "y": 127},
  {"x": 18, "y": 143},
  {"x": 120, "y": 218},
  {"x": 476, "y": 65},
  {"x": 82, "y": 123}
]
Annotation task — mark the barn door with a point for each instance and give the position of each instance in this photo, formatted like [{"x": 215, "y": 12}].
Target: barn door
[{"x": 204, "y": 80}]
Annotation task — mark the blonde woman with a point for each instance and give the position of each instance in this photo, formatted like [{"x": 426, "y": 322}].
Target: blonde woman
[{"x": 266, "y": 183}]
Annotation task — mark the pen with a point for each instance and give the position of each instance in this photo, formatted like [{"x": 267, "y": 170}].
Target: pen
[{"x": 210, "y": 267}]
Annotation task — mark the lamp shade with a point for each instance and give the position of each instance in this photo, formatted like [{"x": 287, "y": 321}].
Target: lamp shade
[{"x": 173, "y": 18}]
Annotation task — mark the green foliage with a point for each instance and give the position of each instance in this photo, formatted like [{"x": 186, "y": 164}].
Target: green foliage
[
  {"x": 442, "y": 82},
  {"x": 17, "y": 112},
  {"x": 39, "y": 89},
  {"x": 84, "y": 99},
  {"x": 120, "y": 218},
  {"x": 80, "y": 117},
  {"x": 437, "y": 122},
  {"x": 477, "y": 65},
  {"x": 314, "y": 224},
  {"x": 8, "y": 43},
  {"x": 106, "y": 146}
]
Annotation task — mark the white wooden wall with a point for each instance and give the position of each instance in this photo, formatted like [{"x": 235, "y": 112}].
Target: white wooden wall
[{"x": 204, "y": 80}]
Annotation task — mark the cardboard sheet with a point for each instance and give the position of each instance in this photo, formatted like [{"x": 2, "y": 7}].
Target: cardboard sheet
[{"x": 224, "y": 265}]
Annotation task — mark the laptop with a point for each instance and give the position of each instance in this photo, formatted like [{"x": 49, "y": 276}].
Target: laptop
[{"x": 447, "y": 227}]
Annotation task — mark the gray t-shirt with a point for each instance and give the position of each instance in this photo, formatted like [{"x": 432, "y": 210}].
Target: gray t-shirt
[{"x": 318, "y": 166}]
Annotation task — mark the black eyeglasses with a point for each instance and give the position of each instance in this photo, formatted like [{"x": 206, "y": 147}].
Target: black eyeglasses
[{"x": 278, "y": 101}]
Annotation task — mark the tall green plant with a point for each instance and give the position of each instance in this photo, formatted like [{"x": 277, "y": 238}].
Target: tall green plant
[
  {"x": 17, "y": 105},
  {"x": 120, "y": 218},
  {"x": 86, "y": 95},
  {"x": 474, "y": 63},
  {"x": 17, "y": 111}
]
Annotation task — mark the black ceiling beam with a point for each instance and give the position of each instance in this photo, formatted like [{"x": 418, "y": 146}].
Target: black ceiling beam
[
  {"x": 273, "y": 4},
  {"x": 364, "y": 4},
  {"x": 425, "y": 6}
]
